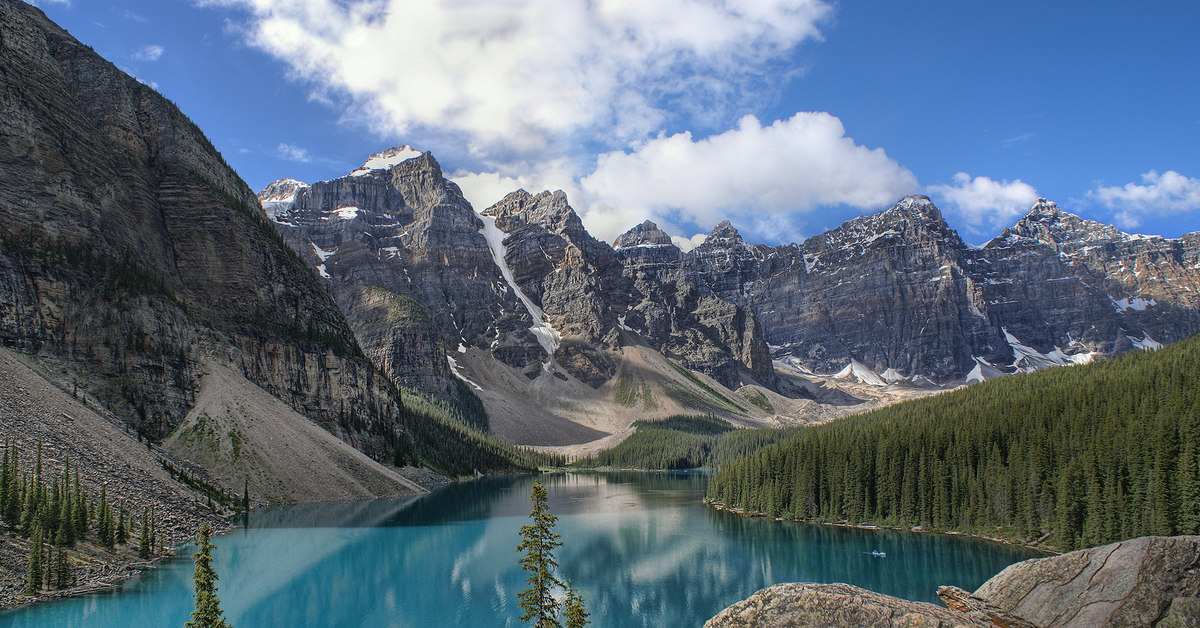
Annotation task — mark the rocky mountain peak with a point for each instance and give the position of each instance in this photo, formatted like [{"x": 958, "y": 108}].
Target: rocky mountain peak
[
  {"x": 645, "y": 234},
  {"x": 281, "y": 190},
  {"x": 1048, "y": 224},
  {"x": 724, "y": 233},
  {"x": 279, "y": 195},
  {"x": 550, "y": 210},
  {"x": 919, "y": 209}
]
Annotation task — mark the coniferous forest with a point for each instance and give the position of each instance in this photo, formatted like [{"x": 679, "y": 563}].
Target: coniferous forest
[{"x": 1070, "y": 457}]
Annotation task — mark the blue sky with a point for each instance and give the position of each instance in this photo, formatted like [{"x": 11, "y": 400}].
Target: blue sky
[{"x": 785, "y": 116}]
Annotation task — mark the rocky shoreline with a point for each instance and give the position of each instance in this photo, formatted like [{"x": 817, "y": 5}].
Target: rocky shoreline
[
  {"x": 1036, "y": 547},
  {"x": 95, "y": 569},
  {"x": 1147, "y": 581}
]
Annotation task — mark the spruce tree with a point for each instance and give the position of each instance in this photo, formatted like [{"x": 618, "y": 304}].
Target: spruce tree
[
  {"x": 144, "y": 538},
  {"x": 573, "y": 610},
  {"x": 122, "y": 527},
  {"x": 538, "y": 541},
  {"x": 207, "y": 613},
  {"x": 33, "y": 579}
]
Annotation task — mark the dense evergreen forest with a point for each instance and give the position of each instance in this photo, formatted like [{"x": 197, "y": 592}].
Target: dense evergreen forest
[
  {"x": 683, "y": 442},
  {"x": 1071, "y": 456}
]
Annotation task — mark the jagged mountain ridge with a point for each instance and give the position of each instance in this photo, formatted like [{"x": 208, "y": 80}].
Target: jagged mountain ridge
[
  {"x": 897, "y": 293},
  {"x": 900, "y": 293},
  {"x": 521, "y": 280}
]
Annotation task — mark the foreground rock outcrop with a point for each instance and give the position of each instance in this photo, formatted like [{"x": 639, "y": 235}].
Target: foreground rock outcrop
[
  {"x": 806, "y": 604},
  {"x": 1148, "y": 581}
]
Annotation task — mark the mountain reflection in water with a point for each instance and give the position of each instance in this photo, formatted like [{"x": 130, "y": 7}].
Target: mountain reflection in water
[{"x": 640, "y": 546}]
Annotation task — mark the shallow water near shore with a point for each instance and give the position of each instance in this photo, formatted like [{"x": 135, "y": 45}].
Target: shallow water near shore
[{"x": 640, "y": 546}]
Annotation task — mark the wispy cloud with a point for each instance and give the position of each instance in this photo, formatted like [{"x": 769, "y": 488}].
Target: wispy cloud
[
  {"x": 292, "y": 152},
  {"x": 149, "y": 52},
  {"x": 39, "y": 3},
  {"x": 984, "y": 203},
  {"x": 1017, "y": 140},
  {"x": 1165, "y": 194}
]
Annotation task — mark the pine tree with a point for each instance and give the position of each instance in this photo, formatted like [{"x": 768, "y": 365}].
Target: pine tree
[
  {"x": 144, "y": 547},
  {"x": 246, "y": 496},
  {"x": 104, "y": 522},
  {"x": 207, "y": 613},
  {"x": 33, "y": 579},
  {"x": 62, "y": 575},
  {"x": 573, "y": 610},
  {"x": 538, "y": 541},
  {"x": 122, "y": 527}
]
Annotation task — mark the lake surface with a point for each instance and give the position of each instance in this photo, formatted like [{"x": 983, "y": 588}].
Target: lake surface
[{"x": 640, "y": 546}]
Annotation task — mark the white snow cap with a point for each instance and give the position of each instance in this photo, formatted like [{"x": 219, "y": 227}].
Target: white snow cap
[{"x": 386, "y": 159}]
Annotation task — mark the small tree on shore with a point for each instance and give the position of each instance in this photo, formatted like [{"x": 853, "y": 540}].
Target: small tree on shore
[
  {"x": 538, "y": 541},
  {"x": 207, "y": 613}
]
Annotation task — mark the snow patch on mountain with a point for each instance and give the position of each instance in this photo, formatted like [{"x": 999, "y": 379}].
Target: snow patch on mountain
[
  {"x": 545, "y": 333},
  {"x": 1136, "y": 303},
  {"x": 343, "y": 213},
  {"x": 1146, "y": 343},
  {"x": 1027, "y": 359},
  {"x": 457, "y": 373},
  {"x": 386, "y": 160},
  {"x": 321, "y": 253},
  {"x": 858, "y": 371}
]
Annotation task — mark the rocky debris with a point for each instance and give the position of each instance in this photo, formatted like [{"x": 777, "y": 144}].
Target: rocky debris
[
  {"x": 243, "y": 437},
  {"x": 1147, "y": 581},
  {"x": 37, "y": 406},
  {"x": 797, "y": 605}
]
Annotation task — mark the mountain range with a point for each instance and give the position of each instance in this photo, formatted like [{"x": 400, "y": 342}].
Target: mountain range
[{"x": 519, "y": 302}]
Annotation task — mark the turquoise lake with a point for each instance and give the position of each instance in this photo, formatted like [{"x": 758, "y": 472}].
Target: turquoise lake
[{"x": 640, "y": 546}]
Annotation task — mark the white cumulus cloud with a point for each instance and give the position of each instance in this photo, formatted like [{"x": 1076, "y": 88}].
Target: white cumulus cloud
[
  {"x": 1163, "y": 194},
  {"x": 150, "y": 52},
  {"x": 520, "y": 77},
  {"x": 982, "y": 202},
  {"x": 753, "y": 172},
  {"x": 687, "y": 244}
]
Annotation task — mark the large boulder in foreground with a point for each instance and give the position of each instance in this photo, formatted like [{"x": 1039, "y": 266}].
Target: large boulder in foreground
[{"x": 1148, "y": 581}]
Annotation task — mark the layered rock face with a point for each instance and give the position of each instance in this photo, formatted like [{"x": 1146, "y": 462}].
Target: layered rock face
[
  {"x": 1148, "y": 581},
  {"x": 407, "y": 261},
  {"x": 522, "y": 280},
  {"x": 128, "y": 247},
  {"x": 900, "y": 294}
]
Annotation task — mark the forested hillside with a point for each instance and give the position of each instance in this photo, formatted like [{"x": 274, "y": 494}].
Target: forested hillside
[{"x": 1086, "y": 455}]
